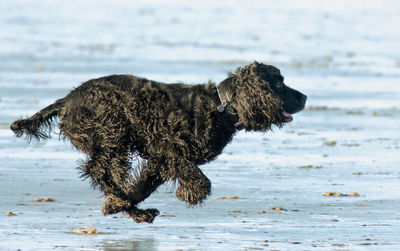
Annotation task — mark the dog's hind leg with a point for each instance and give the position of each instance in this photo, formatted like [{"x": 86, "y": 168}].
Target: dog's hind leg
[
  {"x": 109, "y": 167},
  {"x": 111, "y": 174},
  {"x": 110, "y": 170},
  {"x": 144, "y": 182}
]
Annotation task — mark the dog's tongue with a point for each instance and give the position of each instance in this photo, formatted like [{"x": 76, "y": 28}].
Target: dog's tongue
[{"x": 288, "y": 116}]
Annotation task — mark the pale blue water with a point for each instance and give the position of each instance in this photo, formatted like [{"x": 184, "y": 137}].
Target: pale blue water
[{"x": 344, "y": 56}]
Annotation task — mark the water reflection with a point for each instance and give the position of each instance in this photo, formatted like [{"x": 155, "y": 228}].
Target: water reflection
[{"x": 145, "y": 244}]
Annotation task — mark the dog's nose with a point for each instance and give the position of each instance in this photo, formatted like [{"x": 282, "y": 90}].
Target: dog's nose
[{"x": 303, "y": 98}]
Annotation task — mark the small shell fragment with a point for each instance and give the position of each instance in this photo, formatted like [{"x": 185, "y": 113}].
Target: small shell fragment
[
  {"x": 277, "y": 209},
  {"x": 87, "y": 231},
  {"x": 228, "y": 198},
  {"x": 330, "y": 143},
  {"x": 46, "y": 199},
  {"x": 167, "y": 215}
]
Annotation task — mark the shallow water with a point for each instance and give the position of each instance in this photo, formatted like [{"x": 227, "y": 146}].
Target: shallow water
[{"x": 345, "y": 58}]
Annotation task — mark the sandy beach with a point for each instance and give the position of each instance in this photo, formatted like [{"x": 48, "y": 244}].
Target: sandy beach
[{"x": 329, "y": 180}]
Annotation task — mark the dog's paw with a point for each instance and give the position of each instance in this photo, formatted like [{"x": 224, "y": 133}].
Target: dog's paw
[
  {"x": 148, "y": 215},
  {"x": 114, "y": 205},
  {"x": 194, "y": 196}
]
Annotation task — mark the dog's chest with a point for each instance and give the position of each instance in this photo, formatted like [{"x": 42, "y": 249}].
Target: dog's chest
[{"x": 208, "y": 145}]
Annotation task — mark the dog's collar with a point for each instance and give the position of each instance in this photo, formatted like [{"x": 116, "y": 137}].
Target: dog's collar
[
  {"x": 224, "y": 100},
  {"x": 224, "y": 91}
]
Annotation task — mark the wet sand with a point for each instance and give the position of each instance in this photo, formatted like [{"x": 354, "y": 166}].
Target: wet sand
[{"x": 330, "y": 180}]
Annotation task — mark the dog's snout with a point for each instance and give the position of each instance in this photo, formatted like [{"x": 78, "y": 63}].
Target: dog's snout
[{"x": 294, "y": 102}]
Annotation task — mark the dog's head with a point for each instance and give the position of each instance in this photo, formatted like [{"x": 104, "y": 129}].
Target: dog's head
[{"x": 261, "y": 98}]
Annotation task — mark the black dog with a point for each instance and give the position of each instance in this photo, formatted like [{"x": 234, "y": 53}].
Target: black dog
[{"x": 172, "y": 127}]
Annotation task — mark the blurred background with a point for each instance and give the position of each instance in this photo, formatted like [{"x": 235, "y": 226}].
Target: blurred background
[{"x": 344, "y": 55}]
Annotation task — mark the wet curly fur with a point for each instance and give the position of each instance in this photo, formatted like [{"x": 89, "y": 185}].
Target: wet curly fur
[{"x": 173, "y": 128}]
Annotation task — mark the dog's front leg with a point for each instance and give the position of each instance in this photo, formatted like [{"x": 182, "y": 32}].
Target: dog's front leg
[{"x": 194, "y": 186}]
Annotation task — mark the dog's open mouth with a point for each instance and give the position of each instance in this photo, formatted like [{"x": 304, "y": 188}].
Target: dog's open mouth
[{"x": 287, "y": 116}]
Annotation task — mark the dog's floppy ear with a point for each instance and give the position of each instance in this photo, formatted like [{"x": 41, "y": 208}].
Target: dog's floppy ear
[{"x": 255, "y": 103}]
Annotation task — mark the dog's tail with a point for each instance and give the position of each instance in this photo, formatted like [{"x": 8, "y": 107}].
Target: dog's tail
[{"x": 39, "y": 125}]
